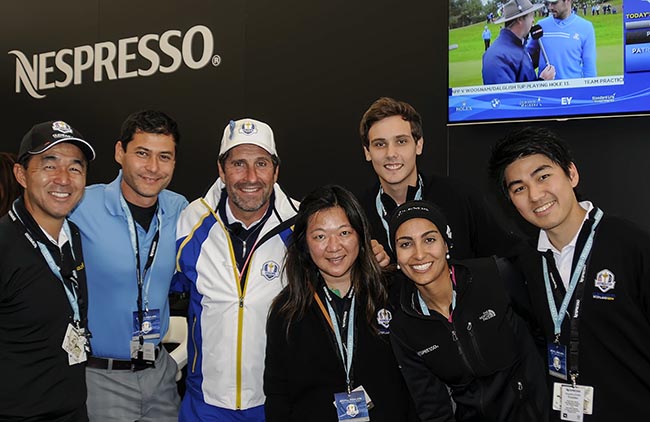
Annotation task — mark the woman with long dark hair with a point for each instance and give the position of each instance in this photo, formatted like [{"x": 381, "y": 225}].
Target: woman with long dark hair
[
  {"x": 455, "y": 332},
  {"x": 9, "y": 187},
  {"x": 328, "y": 355}
]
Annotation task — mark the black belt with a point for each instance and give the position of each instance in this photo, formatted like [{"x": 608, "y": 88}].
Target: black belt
[{"x": 116, "y": 364}]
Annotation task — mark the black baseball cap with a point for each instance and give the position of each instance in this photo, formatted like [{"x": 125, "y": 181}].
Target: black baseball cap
[{"x": 44, "y": 136}]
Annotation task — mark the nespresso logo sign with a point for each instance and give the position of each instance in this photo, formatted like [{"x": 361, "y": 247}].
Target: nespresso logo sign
[{"x": 127, "y": 58}]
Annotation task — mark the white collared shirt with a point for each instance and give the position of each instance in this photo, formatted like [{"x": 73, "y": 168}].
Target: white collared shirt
[
  {"x": 564, "y": 258},
  {"x": 63, "y": 237},
  {"x": 233, "y": 219}
]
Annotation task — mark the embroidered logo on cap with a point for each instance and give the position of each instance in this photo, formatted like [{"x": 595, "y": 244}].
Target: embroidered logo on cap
[
  {"x": 270, "y": 270},
  {"x": 62, "y": 127},
  {"x": 248, "y": 128}
]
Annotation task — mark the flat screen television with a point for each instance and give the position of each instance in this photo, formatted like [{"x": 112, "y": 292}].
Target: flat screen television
[{"x": 621, "y": 85}]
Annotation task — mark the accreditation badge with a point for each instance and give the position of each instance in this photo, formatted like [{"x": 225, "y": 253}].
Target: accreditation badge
[
  {"x": 573, "y": 402},
  {"x": 150, "y": 327},
  {"x": 74, "y": 343},
  {"x": 557, "y": 360},
  {"x": 351, "y": 407}
]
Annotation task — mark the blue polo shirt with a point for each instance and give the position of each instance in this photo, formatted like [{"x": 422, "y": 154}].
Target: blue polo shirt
[
  {"x": 570, "y": 45},
  {"x": 111, "y": 265}
]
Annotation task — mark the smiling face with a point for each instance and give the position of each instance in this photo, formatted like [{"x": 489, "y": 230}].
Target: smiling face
[
  {"x": 543, "y": 194},
  {"x": 421, "y": 251},
  {"x": 249, "y": 176},
  {"x": 54, "y": 183},
  {"x": 393, "y": 151},
  {"x": 333, "y": 246},
  {"x": 147, "y": 166}
]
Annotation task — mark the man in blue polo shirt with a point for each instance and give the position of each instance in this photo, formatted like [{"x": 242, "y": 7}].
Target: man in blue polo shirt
[
  {"x": 569, "y": 41},
  {"x": 128, "y": 231}
]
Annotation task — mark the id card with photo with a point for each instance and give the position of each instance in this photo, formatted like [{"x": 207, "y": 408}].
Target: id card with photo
[{"x": 557, "y": 364}]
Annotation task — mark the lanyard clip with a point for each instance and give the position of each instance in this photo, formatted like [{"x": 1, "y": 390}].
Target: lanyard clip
[
  {"x": 557, "y": 338},
  {"x": 574, "y": 377}
]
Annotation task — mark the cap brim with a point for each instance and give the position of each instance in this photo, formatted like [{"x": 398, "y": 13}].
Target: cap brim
[
  {"x": 531, "y": 10},
  {"x": 84, "y": 146}
]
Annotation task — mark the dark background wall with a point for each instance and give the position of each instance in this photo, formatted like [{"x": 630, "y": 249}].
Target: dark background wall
[{"x": 309, "y": 69}]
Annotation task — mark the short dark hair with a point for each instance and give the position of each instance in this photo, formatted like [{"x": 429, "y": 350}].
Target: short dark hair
[
  {"x": 522, "y": 143},
  {"x": 10, "y": 189},
  {"x": 148, "y": 121},
  {"x": 388, "y": 107}
]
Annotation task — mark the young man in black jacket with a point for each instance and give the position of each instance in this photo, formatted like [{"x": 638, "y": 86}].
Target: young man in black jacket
[
  {"x": 43, "y": 336},
  {"x": 588, "y": 283},
  {"x": 392, "y": 138}
]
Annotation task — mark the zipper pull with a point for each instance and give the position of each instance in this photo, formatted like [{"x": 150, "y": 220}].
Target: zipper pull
[
  {"x": 241, "y": 301},
  {"x": 469, "y": 326},
  {"x": 454, "y": 336}
]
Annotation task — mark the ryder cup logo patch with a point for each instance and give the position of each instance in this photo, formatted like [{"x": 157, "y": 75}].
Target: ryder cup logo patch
[
  {"x": 270, "y": 270},
  {"x": 384, "y": 317},
  {"x": 605, "y": 282},
  {"x": 62, "y": 127},
  {"x": 248, "y": 128}
]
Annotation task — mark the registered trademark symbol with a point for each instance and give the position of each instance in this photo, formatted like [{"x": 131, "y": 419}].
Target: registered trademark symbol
[{"x": 216, "y": 60}]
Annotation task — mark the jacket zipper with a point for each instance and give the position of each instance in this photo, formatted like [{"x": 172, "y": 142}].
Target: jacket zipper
[
  {"x": 461, "y": 352},
  {"x": 196, "y": 350},
  {"x": 477, "y": 352},
  {"x": 477, "y": 349},
  {"x": 240, "y": 330}
]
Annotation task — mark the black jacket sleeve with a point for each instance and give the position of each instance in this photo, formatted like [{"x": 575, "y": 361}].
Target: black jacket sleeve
[
  {"x": 276, "y": 385},
  {"x": 432, "y": 400}
]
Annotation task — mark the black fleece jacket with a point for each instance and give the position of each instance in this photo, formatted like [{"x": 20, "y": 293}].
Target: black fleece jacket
[{"x": 485, "y": 356}]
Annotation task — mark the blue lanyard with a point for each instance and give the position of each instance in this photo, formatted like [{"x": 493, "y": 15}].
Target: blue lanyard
[
  {"x": 143, "y": 276},
  {"x": 578, "y": 275},
  {"x": 381, "y": 210},
  {"x": 70, "y": 293},
  {"x": 347, "y": 357},
  {"x": 425, "y": 308}
]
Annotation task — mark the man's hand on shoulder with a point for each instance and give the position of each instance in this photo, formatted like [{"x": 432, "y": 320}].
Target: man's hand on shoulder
[{"x": 383, "y": 259}]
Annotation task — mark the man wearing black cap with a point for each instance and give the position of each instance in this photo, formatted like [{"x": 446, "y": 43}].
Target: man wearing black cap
[{"x": 43, "y": 325}]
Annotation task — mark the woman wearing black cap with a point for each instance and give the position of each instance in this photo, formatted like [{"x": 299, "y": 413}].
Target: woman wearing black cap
[
  {"x": 455, "y": 332},
  {"x": 327, "y": 332}
]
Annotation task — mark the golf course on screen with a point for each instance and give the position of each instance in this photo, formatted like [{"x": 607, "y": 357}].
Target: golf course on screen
[{"x": 466, "y": 46}]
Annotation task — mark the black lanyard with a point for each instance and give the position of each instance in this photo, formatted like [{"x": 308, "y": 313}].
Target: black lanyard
[{"x": 141, "y": 275}]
